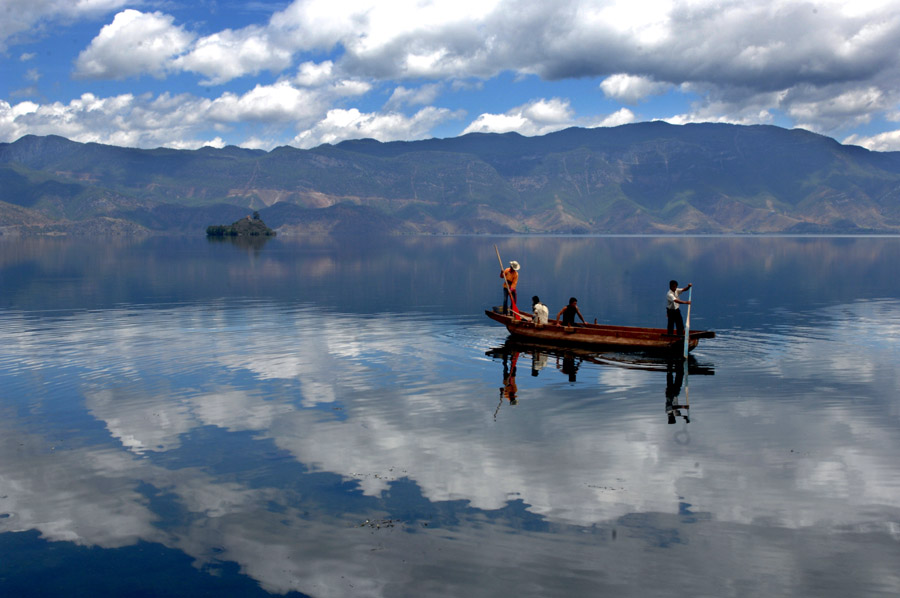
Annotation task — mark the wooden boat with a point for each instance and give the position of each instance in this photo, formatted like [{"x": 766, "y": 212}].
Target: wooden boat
[{"x": 598, "y": 336}]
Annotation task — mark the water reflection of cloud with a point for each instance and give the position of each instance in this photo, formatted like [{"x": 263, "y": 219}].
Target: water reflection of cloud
[
  {"x": 88, "y": 497},
  {"x": 332, "y": 556},
  {"x": 140, "y": 421},
  {"x": 573, "y": 459},
  {"x": 615, "y": 379},
  {"x": 411, "y": 425},
  {"x": 69, "y": 494}
]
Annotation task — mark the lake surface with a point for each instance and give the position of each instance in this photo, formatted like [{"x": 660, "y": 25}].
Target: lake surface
[{"x": 336, "y": 417}]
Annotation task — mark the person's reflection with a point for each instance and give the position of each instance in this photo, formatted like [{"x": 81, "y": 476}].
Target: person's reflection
[
  {"x": 674, "y": 379},
  {"x": 538, "y": 361},
  {"x": 569, "y": 365},
  {"x": 509, "y": 388}
]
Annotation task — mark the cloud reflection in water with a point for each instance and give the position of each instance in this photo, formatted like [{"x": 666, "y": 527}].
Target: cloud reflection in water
[{"x": 405, "y": 404}]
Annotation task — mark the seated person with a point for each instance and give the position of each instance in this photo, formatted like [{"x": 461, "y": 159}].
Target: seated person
[
  {"x": 568, "y": 314},
  {"x": 540, "y": 311}
]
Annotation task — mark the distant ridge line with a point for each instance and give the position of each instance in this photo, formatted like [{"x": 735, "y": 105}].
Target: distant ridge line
[{"x": 640, "y": 178}]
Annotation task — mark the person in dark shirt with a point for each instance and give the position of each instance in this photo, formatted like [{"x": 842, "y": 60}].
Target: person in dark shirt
[{"x": 568, "y": 314}]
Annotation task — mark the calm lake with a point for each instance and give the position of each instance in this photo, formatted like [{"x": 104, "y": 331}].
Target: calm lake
[{"x": 333, "y": 417}]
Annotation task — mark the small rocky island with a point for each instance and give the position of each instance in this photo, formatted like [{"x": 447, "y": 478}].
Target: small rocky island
[{"x": 249, "y": 226}]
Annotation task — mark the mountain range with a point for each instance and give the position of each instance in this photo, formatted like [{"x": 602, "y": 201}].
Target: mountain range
[{"x": 639, "y": 178}]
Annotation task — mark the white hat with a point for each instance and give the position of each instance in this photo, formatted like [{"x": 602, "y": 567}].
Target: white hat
[{"x": 514, "y": 265}]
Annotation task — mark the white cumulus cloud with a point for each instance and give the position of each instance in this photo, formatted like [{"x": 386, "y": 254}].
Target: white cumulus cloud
[
  {"x": 133, "y": 44},
  {"x": 535, "y": 118},
  {"x": 888, "y": 141},
  {"x": 540, "y": 117},
  {"x": 270, "y": 115},
  {"x": 623, "y": 116},
  {"x": 833, "y": 109},
  {"x": 630, "y": 88},
  {"x": 311, "y": 74},
  {"x": 230, "y": 54},
  {"x": 339, "y": 125},
  {"x": 828, "y": 66},
  {"x": 426, "y": 94},
  {"x": 271, "y": 103},
  {"x": 31, "y": 17}
]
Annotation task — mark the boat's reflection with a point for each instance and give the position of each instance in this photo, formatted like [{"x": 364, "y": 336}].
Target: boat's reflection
[{"x": 568, "y": 360}]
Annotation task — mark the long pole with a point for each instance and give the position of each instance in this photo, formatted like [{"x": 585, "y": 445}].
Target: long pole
[
  {"x": 687, "y": 336},
  {"x": 687, "y": 326},
  {"x": 515, "y": 309}
]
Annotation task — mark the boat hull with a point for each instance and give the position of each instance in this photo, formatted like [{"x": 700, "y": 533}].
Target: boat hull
[{"x": 599, "y": 336}]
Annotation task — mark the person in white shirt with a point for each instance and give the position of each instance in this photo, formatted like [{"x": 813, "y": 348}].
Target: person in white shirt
[
  {"x": 541, "y": 312},
  {"x": 673, "y": 314}
]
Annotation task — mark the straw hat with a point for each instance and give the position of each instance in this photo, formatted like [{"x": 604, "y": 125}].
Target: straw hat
[{"x": 514, "y": 265}]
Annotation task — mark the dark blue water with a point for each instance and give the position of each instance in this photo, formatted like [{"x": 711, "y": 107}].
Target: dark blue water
[{"x": 336, "y": 417}]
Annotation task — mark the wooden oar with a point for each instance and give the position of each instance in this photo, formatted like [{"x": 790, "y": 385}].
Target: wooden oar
[
  {"x": 687, "y": 326},
  {"x": 512, "y": 301}
]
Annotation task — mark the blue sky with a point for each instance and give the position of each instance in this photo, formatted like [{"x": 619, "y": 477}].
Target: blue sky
[{"x": 261, "y": 74}]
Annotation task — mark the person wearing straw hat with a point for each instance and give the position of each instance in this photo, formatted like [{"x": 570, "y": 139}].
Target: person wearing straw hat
[{"x": 510, "y": 277}]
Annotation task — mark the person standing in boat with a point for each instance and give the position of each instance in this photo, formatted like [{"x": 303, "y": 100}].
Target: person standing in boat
[
  {"x": 673, "y": 314},
  {"x": 510, "y": 277},
  {"x": 541, "y": 312},
  {"x": 568, "y": 314}
]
